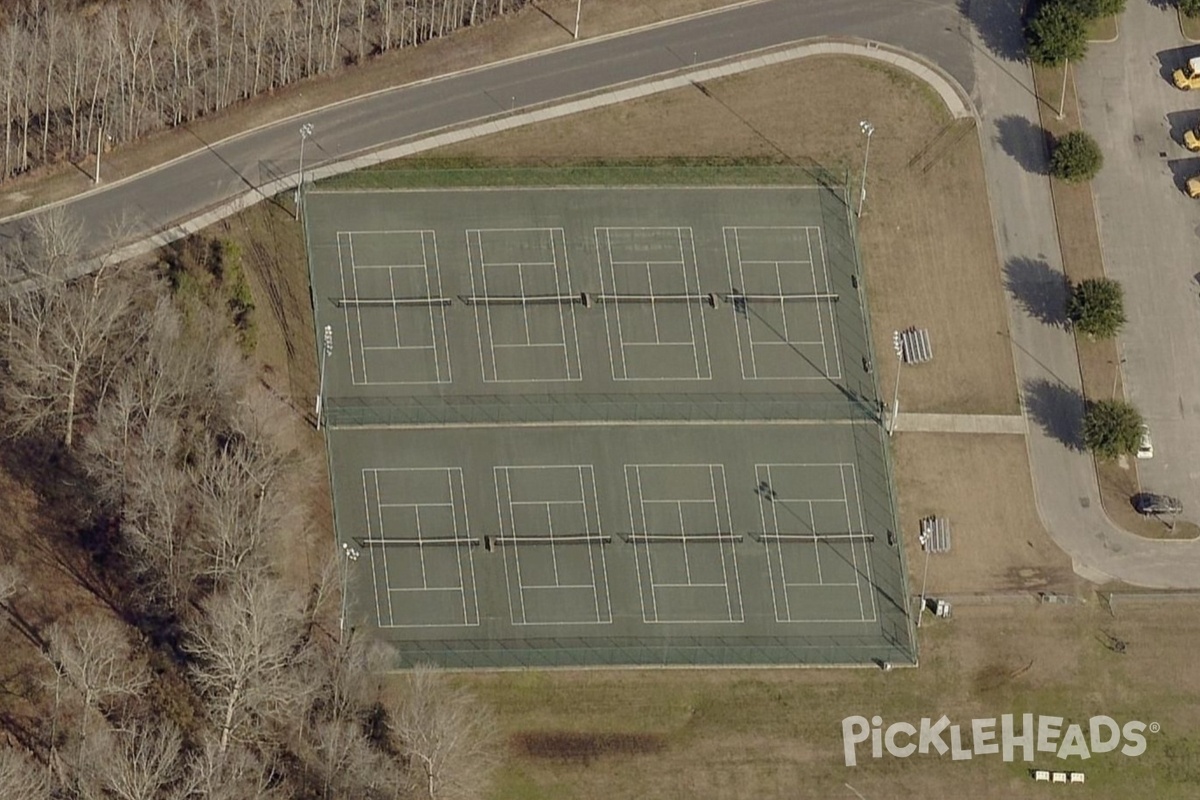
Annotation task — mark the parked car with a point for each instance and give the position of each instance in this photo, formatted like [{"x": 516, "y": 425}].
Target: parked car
[
  {"x": 1145, "y": 447},
  {"x": 1149, "y": 503}
]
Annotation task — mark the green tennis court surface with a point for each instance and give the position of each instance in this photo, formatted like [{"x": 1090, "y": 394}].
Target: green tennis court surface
[{"x": 606, "y": 426}]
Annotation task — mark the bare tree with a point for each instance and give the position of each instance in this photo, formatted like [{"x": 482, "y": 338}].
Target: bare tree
[
  {"x": 20, "y": 778},
  {"x": 232, "y": 773},
  {"x": 140, "y": 762},
  {"x": 447, "y": 737},
  {"x": 95, "y": 658},
  {"x": 247, "y": 648}
]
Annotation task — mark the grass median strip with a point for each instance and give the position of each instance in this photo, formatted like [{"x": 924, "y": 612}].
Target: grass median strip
[{"x": 1083, "y": 258}]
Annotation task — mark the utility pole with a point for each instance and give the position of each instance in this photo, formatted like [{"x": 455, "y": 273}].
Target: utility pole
[
  {"x": 348, "y": 554},
  {"x": 896, "y": 394},
  {"x": 1062, "y": 97},
  {"x": 99, "y": 147},
  {"x": 306, "y": 131},
  {"x": 578, "y": 10},
  {"x": 326, "y": 352},
  {"x": 868, "y": 129}
]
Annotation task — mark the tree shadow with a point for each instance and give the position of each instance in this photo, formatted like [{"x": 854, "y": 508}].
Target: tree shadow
[
  {"x": 1163, "y": 5},
  {"x": 1026, "y": 143},
  {"x": 1039, "y": 288},
  {"x": 999, "y": 25},
  {"x": 1058, "y": 409}
]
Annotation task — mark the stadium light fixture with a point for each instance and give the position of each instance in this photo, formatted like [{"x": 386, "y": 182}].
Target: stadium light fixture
[
  {"x": 868, "y": 130},
  {"x": 306, "y": 130}
]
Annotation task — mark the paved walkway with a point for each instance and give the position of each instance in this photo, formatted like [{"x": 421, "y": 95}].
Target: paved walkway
[{"x": 1012, "y": 424}]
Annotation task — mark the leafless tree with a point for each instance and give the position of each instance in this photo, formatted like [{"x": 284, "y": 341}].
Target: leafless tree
[
  {"x": 20, "y": 778},
  {"x": 140, "y": 762},
  {"x": 93, "y": 655},
  {"x": 232, "y": 773},
  {"x": 248, "y": 647},
  {"x": 56, "y": 351},
  {"x": 447, "y": 737}
]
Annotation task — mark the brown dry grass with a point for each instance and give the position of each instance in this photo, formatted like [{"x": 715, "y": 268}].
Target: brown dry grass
[
  {"x": 534, "y": 28},
  {"x": 998, "y": 543},
  {"x": 928, "y": 247},
  {"x": 777, "y": 733}
]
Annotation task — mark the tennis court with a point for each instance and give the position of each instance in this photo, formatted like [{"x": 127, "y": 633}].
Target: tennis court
[{"x": 606, "y": 426}]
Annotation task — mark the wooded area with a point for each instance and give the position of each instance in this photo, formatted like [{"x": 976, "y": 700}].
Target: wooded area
[
  {"x": 189, "y": 665},
  {"x": 80, "y": 75}
]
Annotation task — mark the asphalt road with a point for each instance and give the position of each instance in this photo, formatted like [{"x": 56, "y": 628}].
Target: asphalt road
[
  {"x": 1149, "y": 232},
  {"x": 219, "y": 171}
]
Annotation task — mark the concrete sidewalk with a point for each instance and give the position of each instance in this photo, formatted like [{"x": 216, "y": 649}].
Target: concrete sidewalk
[{"x": 1011, "y": 424}]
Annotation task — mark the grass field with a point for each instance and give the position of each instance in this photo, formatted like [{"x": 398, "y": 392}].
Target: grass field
[
  {"x": 776, "y": 733},
  {"x": 737, "y": 734}
]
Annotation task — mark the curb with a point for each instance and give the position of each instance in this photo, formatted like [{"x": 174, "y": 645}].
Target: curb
[
  {"x": 1182, "y": 32},
  {"x": 378, "y": 92},
  {"x": 952, "y": 94}
]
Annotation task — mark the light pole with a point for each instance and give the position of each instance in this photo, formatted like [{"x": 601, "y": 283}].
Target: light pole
[
  {"x": 924, "y": 580},
  {"x": 578, "y": 10},
  {"x": 348, "y": 554},
  {"x": 326, "y": 352},
  {"x": 1062, "y": 97},
  {"x": 306, "y": 130},
  {"x": 868, "y": 129},
  {"x": 896, "y": 395}
]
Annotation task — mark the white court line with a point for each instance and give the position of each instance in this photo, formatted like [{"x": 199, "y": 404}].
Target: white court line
[
  {"x": 504, "y": 495},
  {"x": 553, "y": 549},
  {"x": 717, "y": 514},
  {"x": 624, "y": 376},
  {"x": 462, "y": 583},
  {"x": 737, "y": 244},
  {"x": 371, "y": 550},
  {"x": 633, "y": 527},
  {"x": 723, "y": 522},
  {"x": 829, "y": 306},
  {"x": 451, "y": 474},
  {"x": 401, "y": 348},
  {"x": 434, "y": 289},
  {"x": 512, "y": 526},
  {"x": 860, "y": 576},
  {"x": 649, "y": 556},
  {"x": 787, "y": 600},
  {"x": 821, "y": 306},
  {"x": 689, "y": 272},
  {"x": 566, "y": 265},
  {"x": 346, "y": 293},
  {"x": 820, "y": 321},
  {"x": 591, "y": 558},
  {"x": 476, "y": 291},
  {"x": 387, "y": 578},
  {"x": 692, "y": 308}
]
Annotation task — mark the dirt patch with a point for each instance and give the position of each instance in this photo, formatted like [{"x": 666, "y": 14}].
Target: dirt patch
[
  {"x": 928, "y": 247},
  {"x": 997, "y": 542},
  {"x": 583, "y": 747},
  {"x": 536, "y": 27}
]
